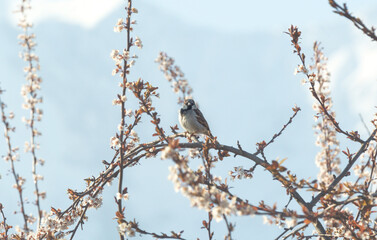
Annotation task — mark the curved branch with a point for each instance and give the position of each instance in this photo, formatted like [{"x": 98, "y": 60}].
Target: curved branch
[{"x": 344, "y": 172}]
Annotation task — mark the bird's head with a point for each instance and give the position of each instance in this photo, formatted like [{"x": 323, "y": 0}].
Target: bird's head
[{"x": 189, "y": 104}]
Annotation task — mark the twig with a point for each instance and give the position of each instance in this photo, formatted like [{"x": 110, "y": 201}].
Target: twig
[
  {"x": 263, "y": 144},
  {"x": 208, "y": 178},
  {"x": 79, "y": 222},
  {"x": 343, "y": 11},
  {"x": 173, "y": 235},
  {"x": 365, "y": 125},
  {"x": 230, "y": 228},
  {"x": 4, "y": 223},
  {"x": 289, "y": 201},
  {"x": 296, "y": 231},
  {"x": 12, "y": 159}
]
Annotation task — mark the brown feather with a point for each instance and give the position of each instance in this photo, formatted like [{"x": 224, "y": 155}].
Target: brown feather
[{"x": 202, "y": 120}]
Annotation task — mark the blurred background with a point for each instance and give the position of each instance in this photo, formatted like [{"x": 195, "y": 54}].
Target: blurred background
[{"x": 240, "y": 64}]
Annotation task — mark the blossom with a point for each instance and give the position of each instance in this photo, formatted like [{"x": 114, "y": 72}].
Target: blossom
[
  {"x": 37, "y": 177},
  {"x": 114, "y": 142},
  {"x": 174, "y": 75},
  {"x": 126, "y": 229},
  {"x": 128, "y": 112},
  {"x": 168, "y": 152},
  {"x": 117, "y": 101},
  {"x": 138, "y": 42},
  {"x": 120, "y": 21},
  {"x": 290, "y": 223},
  {"x": 134, "y": 10},
  {"x": 119, "y": 25},
  {"x": 114, "y": 53},
  {"x": 118, "y": 28},
  {"x": 120, "y": 196},
  {"x": 93, "y": 202}
]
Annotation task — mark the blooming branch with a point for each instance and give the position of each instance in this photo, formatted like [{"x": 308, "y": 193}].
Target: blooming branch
[
  {"x": 12, "y": 157},
  {"x": 31, "y": 97}
]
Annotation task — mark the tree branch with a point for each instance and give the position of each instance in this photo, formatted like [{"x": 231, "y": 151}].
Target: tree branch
[{"x": 344, "y": 172}]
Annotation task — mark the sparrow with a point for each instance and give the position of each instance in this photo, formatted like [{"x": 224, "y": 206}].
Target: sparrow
[{"x": 192, "y": 119}]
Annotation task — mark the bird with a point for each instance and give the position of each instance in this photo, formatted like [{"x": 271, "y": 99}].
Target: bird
[{"x": 192, "y": 119}]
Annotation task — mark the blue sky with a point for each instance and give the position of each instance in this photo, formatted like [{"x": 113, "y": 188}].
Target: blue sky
[{"x": 240, "y": 65}]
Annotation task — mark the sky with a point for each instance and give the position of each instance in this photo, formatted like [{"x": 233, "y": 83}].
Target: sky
[{"x": 240, "y": 65}]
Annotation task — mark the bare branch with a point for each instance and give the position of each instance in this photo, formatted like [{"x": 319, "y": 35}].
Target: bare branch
[
  {"x": 343, "y": 11},
  {"x": 262, "y": 145}
]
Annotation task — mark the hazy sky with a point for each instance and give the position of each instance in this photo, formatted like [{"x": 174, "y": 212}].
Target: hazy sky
[{"x": 240, "y": 65}]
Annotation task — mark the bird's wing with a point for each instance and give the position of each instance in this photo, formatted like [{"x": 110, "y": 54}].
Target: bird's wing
[{"x": 201, "y": 119}]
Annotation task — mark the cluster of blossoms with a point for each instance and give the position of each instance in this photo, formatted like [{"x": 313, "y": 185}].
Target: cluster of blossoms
[
  {"x": 30, "y": 90},
  {"x": 133, "y": 140},
  {"x": 240, "y": 173},
  {"x": 57, "y": 223},
  {"x": 193, "y": 153},
  {"x": 53, "y": 224},
  {"x": 327, "y": 159},
  {"x": 138, "y": 43},
  {"x": 126, "y": 229},
  {"x": 169, "y": 153},
  {"x": 123, "y": 61},
  {"x": 363, "y": 169},
  {"x": 120, "y": 100},
  {"x": 121, "y": 25},
  {"x": 30, "y": 94},
  {"x": 300, "y": 69},
  {"x": 280, "y": 221},
  {"x": 119, "y": 59},
  {"x": 188, "y": 183},
  {"x": 92, "y": 202},
  {"x": 13, "y": 154},
  {"x": 174, "y": 75},
  {"x": 210, "y": 198},
  {"x": 120, "y": 196}
]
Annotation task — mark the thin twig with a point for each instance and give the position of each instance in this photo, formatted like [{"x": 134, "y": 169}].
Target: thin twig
[
  {"x": 6, "y": 227},
  {"x": 343, "y": 11},
  {"x": 263, "y": 144},
  {"x": 173, "y": 235},
  {"x": 365, "y": 125},
  {"x": 12, "y": 158},
  {"x": 297, "y": 230},
  {"x": 229, "y": 227},
  {"x": 79, "y": 222},
  {"x": 208, "y": 178}
]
